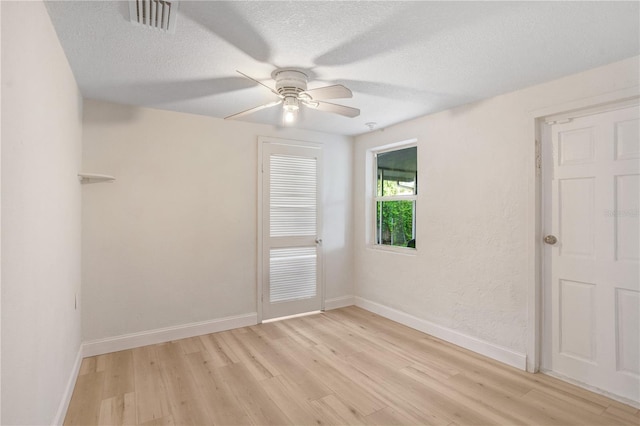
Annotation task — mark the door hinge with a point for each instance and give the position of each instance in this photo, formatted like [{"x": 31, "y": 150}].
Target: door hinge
[{"x": 538, "y": 157}]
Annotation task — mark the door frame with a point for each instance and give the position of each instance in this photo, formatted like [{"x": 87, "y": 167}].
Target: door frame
[
  {"x": 262, "y": 140},
  {"x": 535, "y": 246}
]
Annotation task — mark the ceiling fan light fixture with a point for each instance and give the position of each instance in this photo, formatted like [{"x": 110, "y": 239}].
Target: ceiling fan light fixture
[
  {"x": 290, "y": 116},
  {"x": 290, "y": 103},
  {"x": 290, "y": 107}
]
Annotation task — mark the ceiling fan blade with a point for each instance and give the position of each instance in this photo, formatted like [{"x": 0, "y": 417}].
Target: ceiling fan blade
[
  {"x": 254, "y": 109},
  {"x": 337, "y": 91},
  {"x": 334, "y": 108},
  {"x": 260, "y": 83}
]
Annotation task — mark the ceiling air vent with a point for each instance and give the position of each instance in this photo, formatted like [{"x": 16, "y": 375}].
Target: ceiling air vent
[{"x": 157, "y": 14}]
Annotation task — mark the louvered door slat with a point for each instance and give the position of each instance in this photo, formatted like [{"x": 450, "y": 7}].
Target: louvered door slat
[{"x": 293, "y": 196}]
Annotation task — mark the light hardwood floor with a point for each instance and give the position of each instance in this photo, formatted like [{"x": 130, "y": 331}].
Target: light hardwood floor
[{"x": 346, "y": 366}]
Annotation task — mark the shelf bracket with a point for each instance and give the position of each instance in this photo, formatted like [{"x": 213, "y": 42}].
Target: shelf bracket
[{"x": 94, "y": 178}]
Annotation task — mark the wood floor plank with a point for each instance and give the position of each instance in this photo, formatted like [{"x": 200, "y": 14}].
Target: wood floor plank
[
  {"x": 624, "y": 407},
  {"x": 101, "y": 362},
  {"x": 118, "y": 379},
  {"x": 256, "y": 341},
  {"x": 473, "y": 366},
  {"x": 151, "y": 396},
  {"x": 294, "y": 405},
  {"x": 623, "y": 415},
  {"x": 418, "y": 395},
  {"x": 118, "y": 410},
  {"x": 87, "y": 366},
  {"x": 545, "y": 382},
  {"x": 255, "y": 401},
  {"x": 411, "y": 350},
  {"x": 356, "y": 339},
  {"x": 350, "y": 391},
  {"x": 389, "y": 417},
  {"x": 337, "y": 411},
  {"x": 434, "y": 370},
  {"x": 84, "y": 408},
  {"x": 269, "y": 331},
  {"x": 286, "y": 363},
  {"x": 482, "y": 409},
  {"x": 257, "y": 364},
  {"x": 182, "y": 391},
  {"x": 566, "y": 414},
  {"x": 495, "y": 396},
  {"x": 300, "y": 335},
  {"x": 191, "y": 345},
  {"x": 387, "y": 395},
  {"x": 162, "y": 421},
  {"x": 297, "y": 375},
  {"x": 572, "y": 399},
  {"x": 223, "y": 406},
  {"x": 346, "y": 366},
  {"x": 217, "y": 350}
]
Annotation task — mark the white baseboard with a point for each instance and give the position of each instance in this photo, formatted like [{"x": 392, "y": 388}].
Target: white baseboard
[
  {"x": 161, "y": 335},
  {"x": 622, "y": 399},
  {"x": 635, "y": 404},
  {"x": 339, "y": 302},
  {"x": 498, "y": 353},
  {"x": 68, "y": 391}
]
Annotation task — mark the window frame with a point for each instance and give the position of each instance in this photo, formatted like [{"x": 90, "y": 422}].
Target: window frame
[{"x": 375, "y": 198}]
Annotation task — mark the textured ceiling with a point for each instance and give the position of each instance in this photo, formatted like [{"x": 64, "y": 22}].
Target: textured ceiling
[{"x": 401, "y": 59}]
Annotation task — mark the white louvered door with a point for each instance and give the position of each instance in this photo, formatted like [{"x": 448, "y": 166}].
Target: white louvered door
[{"x": 291, "y": 229}]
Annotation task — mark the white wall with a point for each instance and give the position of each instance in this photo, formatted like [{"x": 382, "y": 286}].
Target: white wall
[
  {"x": 41, "y": 154},
  {"x": 173, "y": 240},
  {"x": 0, "y": 220},
  {"x": 475, "y": 213}
]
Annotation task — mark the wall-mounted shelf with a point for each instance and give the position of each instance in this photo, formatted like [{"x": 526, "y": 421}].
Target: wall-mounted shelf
[{"x": 94, "y": 178}]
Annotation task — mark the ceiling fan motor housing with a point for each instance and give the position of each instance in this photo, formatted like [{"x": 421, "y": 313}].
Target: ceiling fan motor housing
[{"x": 290, "y": 81}]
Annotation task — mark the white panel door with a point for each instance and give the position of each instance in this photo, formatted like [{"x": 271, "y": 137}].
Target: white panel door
[
  {"x": 592, "y": 272},
  {"x": 291, "y": 229}
]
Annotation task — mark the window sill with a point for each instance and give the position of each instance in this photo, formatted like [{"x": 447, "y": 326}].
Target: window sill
[{"x": 407, "y": 251}]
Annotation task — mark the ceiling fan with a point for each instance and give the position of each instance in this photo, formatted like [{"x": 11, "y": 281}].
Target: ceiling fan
[{"x": 292, "y": 93}]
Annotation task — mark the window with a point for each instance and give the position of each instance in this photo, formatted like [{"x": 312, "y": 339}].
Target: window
[{"x": 395, "y": 199}]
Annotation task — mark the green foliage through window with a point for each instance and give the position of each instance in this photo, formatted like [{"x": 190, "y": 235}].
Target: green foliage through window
[
  {"x": 396, "y": 189},
  {"x": 395, "y": 222}
]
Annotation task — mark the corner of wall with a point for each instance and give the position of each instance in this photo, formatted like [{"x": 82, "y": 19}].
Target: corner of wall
[
  {"x": 40, "y": 215},
  {"x": 0, "y": 219},
  {"x": 339, "y": 302}
]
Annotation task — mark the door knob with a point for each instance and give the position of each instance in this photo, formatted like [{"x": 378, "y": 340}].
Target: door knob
[
  {"x": 318, "y": 240},
  {"x": 550, "y": 239}
]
